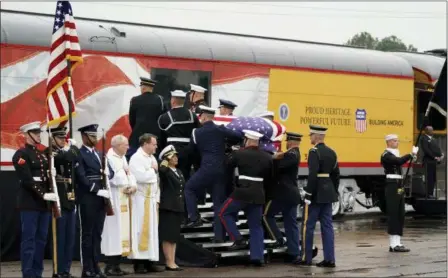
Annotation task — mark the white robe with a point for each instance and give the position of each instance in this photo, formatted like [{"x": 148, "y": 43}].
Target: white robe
[
  {"x": 116, "y": 237},
  {"x": 145, "y": 217}
]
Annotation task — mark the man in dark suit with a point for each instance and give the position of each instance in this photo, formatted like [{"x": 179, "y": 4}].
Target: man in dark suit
[
  {"x": 91, "y": 195},
  {"x": 320, "y": 194},
  {"x": 33, "y": 200},
  {"x": 285, "y": 197},
  {"x": 432, "y": 155},
  {"x": 208, "y": 141},
  {"x": 144, "y": 111}
]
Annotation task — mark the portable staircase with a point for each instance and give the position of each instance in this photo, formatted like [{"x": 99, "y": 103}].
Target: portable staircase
[{"x": 203, "y": 235}]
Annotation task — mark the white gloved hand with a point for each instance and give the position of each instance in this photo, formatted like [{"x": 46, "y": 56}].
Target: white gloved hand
[
  {"x": 52, "y": 197},
  {"x": 308, "y": 202},
  {"x": 414, "y": 150},
  {"x": 235, "y": 148},
  {"x": 103, "y": 193},
  {"x": 72, "y": 142},
  {"x": 53, "y": 172}
]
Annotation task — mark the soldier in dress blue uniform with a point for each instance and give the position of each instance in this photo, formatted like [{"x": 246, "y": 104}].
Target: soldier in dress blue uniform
[
  {"x": 320, "y": 194},
  {"x": 31, "y": 166},
  {"x": 254, "y": 166},
  {"x": 209, "y": 141},
  {"x": 226, "y": 107},
  {"x": 144, "y": 111},
  {"x": 285, "y": 197},
  {"x": 65, "y": 158},
  {"x": 91, "y": 201}
]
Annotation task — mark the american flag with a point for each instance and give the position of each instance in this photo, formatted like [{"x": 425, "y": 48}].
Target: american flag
[
  {"x": 65, "y": 49},
  {"x": 263, "y": 126},
  {"x": 361, "y": 120}
]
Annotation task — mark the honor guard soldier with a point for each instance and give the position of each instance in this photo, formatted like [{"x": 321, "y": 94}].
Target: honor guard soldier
[
  {"x": 195, "y": 98},
  {"x": 91, "y": 195},
  {"x": 286, "y": 198},
  {"x": 31, "y": 166},
  {"x": 321, "y": 192},
  {"x": 65, "y": 159},
  {"x": 208, "y": 141},
  {"x": 248, "y": 195},
  {"x": 267, "y": 115},
  {"x": 392, "y": 163},
  {"x": 226, "y": 107},
  {"x": 176, "y": 126},
  {"x": 144, "y": 111}
]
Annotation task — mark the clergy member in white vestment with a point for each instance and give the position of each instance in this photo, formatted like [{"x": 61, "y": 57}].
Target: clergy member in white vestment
[
  {"x": 145, "y": 205},
  {"x": 116, "y": 237}
]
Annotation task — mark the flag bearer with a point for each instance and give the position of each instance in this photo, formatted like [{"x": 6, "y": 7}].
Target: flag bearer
[
  {"x": 31, "y": 166},
  {"x": 248, "y": 196},
  {"x": 286, "y": 198},
  {"x": 65, "y": 159},
  {"x": 320, "y": 194},
  {"x": 392, "y": 163}
]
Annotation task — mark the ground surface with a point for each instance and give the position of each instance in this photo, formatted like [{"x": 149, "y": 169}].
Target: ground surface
[{"x": 361, "y": 251}]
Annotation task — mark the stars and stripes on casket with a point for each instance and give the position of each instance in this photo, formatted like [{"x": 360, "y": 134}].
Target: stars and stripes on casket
[{"x": 272, "y": 130}]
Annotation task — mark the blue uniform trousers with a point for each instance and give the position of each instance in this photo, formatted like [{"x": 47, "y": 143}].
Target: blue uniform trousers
[
  {"x": 197, "y": 184},
  {"x": 323, "y": 213},
  {"x": 65, "y": 239},
  {"x": 35, "y": 226},
  {"x": 289, "y": 212},
  {"x": 254, "y": 215},
  {"x": 91, "y": 218}
]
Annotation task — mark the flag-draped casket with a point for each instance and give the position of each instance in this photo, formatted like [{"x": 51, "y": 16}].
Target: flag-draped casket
[{"x": 272, "y": 130}]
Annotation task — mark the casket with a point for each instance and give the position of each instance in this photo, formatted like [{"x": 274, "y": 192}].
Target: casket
[{"x": 272, "y": 130}]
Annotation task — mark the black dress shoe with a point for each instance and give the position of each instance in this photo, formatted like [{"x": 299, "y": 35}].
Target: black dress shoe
[
  {"x": 257, "y": 263},
  {"x": 399, "y": 248},
  {"x": 277, "y": 244},
  {"x": 67, "y": 275},
  {"x": 173, "y": 268},
  {"x": 153, "y": 268},
  {"x": 238, "y": 245},
  {"x": 304, "y": 263},
  {"x": 88, "y": 274},
  {"x": 326, "y": 264},
  {"x": 193, "y": 224},
  {"x": 57, "y": 275},
  {"x": 121, "y": 272}
]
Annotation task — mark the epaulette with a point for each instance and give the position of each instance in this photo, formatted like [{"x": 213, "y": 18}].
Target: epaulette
[{"x": 313, "y": 149}]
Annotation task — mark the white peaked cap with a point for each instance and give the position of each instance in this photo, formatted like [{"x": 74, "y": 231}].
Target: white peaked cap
[
  {"x": 167, "y": 149},
  {"x": 178, "y": 93},
  {"x": 207, "y": 109},
  {"x": 197, "y": 88},
  {"x": 30, "y": 126},
  {"x": 267, "y": 114},
  {"x": 391, "y": 137},
  {"x": 252, "y": 134}
]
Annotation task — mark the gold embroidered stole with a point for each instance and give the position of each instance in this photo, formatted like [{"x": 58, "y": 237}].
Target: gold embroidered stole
[{"x": 125, "y": 217}]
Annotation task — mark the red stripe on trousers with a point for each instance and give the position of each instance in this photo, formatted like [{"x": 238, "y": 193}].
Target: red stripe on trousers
[{"x": 224, "y": 207}]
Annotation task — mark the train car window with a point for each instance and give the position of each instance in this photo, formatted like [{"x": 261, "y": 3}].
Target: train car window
[
  {"x": 173, "y": 79},
  {"x": 435, "y": 119}
]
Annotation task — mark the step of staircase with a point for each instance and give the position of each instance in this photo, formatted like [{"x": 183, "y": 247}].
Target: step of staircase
[{"x": 203, "y": 236}]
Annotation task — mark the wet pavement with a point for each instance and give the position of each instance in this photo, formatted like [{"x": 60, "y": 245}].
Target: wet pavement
[{"x": 361, "y": 250}]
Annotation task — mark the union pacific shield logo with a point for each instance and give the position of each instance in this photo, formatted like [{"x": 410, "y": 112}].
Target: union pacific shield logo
[{"x": 361, "y": 120}]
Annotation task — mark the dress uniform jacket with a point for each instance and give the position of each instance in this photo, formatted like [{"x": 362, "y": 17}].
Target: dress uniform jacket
[
  {"x": 31, "y": 166},
  {"x": 64, "y": 162},
  {"x": 323, "y": 177},
  {"x": 195, "y": 105},
  {"x": 177, "y": 125},
  {"x": 392, "y": 164},
  {"x": 144, "y": 111},
  {"x": 254, "y": 166},
  {"x": 172, "y": 189},
  {"x": 287, "y": 172}
]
